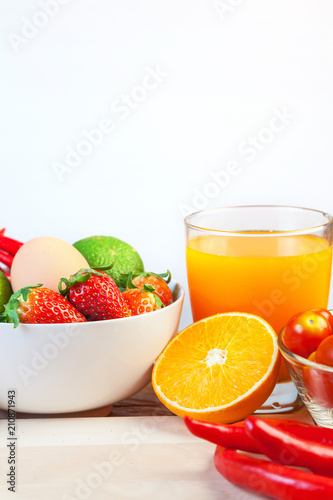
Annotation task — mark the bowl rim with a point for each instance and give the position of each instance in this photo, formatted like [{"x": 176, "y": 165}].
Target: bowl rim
[
  {"x": 303, "y": 361},
  {"x": 175, "y": 284}
]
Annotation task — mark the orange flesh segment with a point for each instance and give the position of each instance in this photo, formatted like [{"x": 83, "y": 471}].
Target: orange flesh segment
[{"x": 217, "y": 360}]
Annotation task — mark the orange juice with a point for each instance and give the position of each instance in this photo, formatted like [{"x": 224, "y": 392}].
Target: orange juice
[{"x": 274, "y": 277}]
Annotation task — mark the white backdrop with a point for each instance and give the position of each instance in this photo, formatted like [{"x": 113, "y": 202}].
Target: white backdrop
[{"x": 117, "y": 118}]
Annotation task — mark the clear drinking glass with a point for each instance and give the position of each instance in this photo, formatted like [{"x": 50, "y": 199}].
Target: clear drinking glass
[{"x": 273, "y": 261}]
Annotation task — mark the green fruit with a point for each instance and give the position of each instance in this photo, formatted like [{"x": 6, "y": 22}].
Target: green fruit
[
  {"x": 104, "y": 250},
  {"x": 5, "y": 291}
]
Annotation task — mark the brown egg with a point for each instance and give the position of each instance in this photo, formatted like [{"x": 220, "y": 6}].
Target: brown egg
[{"x": 45, "y": 260}]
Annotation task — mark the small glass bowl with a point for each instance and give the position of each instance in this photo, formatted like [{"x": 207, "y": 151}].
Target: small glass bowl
[{"x": 314, "y": 383}]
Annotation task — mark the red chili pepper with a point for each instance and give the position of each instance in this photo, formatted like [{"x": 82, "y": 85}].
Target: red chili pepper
[
  {"x": 235, "y": 436},
  {"x": 8, "y": 244},
  {"x": 270, "y": 479},
  {"x": 283, "y": 447},
  {"x": 6, "y": 259},
  {"x": 230, "y": 436},
  {"x": 2, "y": 231}
]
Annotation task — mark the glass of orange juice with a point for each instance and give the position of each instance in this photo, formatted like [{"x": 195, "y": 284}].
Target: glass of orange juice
[{"x": 273, "y": 261}]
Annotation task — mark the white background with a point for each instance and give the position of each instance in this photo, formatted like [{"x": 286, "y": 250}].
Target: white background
[{"x": 227, "y": 69}]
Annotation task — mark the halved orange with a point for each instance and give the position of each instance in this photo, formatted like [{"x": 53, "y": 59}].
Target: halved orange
[{"x": 219, "y": 369}]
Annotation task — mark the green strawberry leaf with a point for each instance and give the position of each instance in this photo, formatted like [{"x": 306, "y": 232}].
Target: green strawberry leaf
[
  {"x": 13, "y": 317},
  {"x": 80, "y": 277},
  {"x": 15, "y": 303},
  {"x": 64, "y": 291},
  {"x": 166, "y": 276},
  {"x": 126, "y": 279},
  {"x": 105, "y": 267},
  {"x": 158, "y": 301},
  {"x": 10, "y": 314},
  {"x": 129, "y": 281}
]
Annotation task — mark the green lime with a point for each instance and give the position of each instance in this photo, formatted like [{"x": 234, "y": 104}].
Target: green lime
[
  {"x": 5, "y": 291},
  {"x": 104, "y": 250}
]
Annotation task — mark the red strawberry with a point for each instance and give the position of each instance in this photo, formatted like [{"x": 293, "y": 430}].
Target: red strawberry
[
  {"x": 155, "y": 283},
  {"x": 34, "y": 304},
  {"x": 95, "y": 295},
  {"x": 141, "y": 301}
]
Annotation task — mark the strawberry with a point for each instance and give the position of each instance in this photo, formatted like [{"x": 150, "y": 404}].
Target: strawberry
[
  {"x": 141, "y": 300},
  {"x": 152, "y": 282},
  {"x": 35, "y": 304},
  {"x": 95, "y": 295}
]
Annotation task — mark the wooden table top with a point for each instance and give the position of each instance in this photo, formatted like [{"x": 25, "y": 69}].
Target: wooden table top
[{"x": 140, "y": 451}]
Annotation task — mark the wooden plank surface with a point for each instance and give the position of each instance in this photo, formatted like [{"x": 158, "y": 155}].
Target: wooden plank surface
[{"x": 140, "y": 451}]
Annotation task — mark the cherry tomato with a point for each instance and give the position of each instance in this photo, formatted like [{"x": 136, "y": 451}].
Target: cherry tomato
[
  {"x": 312, "y": 356},
  {"x": 304, "y": 332},
  {"x": 324, "y": 353},
  {"x": 326, "y": 314},
  {"x": 319, "y": 384}
]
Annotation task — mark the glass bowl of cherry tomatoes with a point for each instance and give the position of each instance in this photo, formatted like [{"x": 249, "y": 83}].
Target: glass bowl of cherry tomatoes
[{"x": 306, "y": 344}]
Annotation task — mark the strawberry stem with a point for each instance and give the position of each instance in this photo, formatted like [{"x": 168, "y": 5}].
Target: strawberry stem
[
  {"x": 80, "y": 277},
  {"x": 127, "y": 279},
  {"x": 64, "y": 291}
]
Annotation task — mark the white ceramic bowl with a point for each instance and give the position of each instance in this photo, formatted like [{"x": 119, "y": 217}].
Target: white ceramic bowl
[{"x": 65, "y": 368}]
